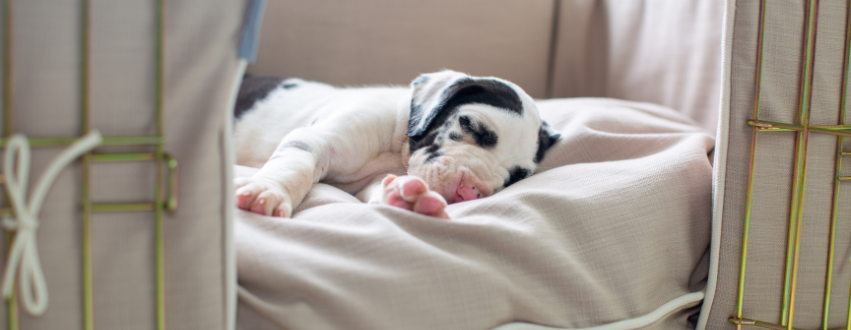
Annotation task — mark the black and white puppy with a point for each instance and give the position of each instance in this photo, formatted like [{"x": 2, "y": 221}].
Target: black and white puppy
[{"x": 448, "y": 138}]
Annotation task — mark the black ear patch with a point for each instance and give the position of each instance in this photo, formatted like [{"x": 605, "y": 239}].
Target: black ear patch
[
  {"x": 461, "y": 91},
  {"x": 547, "y": 136}
]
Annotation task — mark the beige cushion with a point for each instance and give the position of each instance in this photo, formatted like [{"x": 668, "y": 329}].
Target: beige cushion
[
  {"x": 201, "y": 65},
  {"x": 614, "y": 225}
]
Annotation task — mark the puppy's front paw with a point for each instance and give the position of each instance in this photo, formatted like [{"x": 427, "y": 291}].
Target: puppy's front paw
[
  {"x": 262, "y": 197},
  {"x": 412, "y": 193}
]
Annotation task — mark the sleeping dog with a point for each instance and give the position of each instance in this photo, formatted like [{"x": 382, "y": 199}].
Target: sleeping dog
[{"x": 448, "y": 138}]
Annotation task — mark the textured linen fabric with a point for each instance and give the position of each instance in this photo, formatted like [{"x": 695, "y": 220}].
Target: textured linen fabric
[
  {"x": 200, "y": 61},
  {"x": 614, "y": 224},
  {"x": 391, "y": 42},
  {"x": 661, "y": 51},
  {"x": 774, "y": 165}
]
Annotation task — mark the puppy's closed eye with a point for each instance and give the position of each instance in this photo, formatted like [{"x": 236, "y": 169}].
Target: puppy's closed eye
[
  {"x": 484, "y": 137},
  {"x": 466, "y": 124}
]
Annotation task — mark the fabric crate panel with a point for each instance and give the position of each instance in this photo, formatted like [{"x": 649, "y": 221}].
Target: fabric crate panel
[
  {"x": 784, "y": 62},
  {"x": 391, "y": 42},
  {"x": 661, "y": 51},
  {"x": 200, "y": 42}
]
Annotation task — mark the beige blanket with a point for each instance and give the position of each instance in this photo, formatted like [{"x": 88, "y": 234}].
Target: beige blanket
[{"x": 614, "y": 225}]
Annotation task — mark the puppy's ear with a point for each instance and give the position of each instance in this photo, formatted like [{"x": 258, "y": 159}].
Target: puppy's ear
[
  {"x": 547, "y": 137},
  {"x": 428, "y": 97},
  {"x": 435, "y": 95}
]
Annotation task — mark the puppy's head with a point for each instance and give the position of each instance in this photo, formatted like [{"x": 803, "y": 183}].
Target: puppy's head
[{"x": 470, "y": 137}]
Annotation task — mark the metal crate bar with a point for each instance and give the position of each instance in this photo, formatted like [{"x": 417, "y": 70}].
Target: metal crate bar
[
  {"x": 767, "y": 325},
  {"x": 166, "y": 183},
  {"x": 159, "y": 94},
  {"x": 122, "y": 207},
  {"x": 800, "y": 173},
  {"x": 834, "y": 211},
  {"x": 12, "y": 304},
  {"x": 88, "y": 290},
  {"x": 751, "y": 167},
  {"x": 107, "y": 141},
  {"x": 124, "y": 157},
  {"x": 802, "y": 129}
]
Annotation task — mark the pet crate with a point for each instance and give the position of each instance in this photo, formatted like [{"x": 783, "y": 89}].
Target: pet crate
[
  {"x": 780, "y": 251},
  {"x": 157, "y": 80}
]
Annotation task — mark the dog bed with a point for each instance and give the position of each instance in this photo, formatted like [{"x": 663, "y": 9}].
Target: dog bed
[{"x": 614, "y": 226}]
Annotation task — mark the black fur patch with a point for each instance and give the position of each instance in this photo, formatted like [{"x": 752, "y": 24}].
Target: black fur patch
[
  {"x": 462, "y": 91},
  {"x": 428, "y": 140},
  {"x": 434, "y": 155},
  {"x": 484, "y": 137},
  {"x": 517, "y": 174},
  {"x": 433, "y": 152},
  {"x": 295, "y": 144},
  {"x": 455, "y": 136},
  {"x": 466, "y": 124},
  {"x": 484, "y": 91},
  {"x": 546, "y": 138},
  {"x": 253, "y": 89}
]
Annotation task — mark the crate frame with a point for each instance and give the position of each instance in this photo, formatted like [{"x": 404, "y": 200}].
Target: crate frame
[
  {"x": 166, "y": 177},
  {"x": 803, "y": 129}
]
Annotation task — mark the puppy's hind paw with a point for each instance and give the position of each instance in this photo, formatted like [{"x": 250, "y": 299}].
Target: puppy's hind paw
[
  {"x": 262, "y": 197},
  {"x": 412, "y": 193}
]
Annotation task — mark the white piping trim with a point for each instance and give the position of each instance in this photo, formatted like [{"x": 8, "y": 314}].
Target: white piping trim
[
  {"x": 629, "y": 324},
  {"x": 230, "y": 160},
  {"x": 719, "y": 167}
]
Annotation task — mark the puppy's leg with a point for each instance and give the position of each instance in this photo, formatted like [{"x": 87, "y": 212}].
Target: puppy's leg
[
  {"x": 283, "y": 181},
  {"x": 410, "y": 193}
]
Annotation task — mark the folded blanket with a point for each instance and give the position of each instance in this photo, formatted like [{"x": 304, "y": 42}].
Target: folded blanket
[{"x": 614, "y": 225}]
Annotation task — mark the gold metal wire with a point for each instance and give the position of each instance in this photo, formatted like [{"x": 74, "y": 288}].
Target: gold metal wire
[
  {"x": 12, "y": 303},
  {"x": 86, "y": 120},
  {"x": 834, "y": 211},
  {"x": 803, "y": 130},
  {"x": 800, "y": 173},
  {"x": 159, "y": 231},
  {"x": 166, "y": 182},
  {"x": 751, "y": 167}
]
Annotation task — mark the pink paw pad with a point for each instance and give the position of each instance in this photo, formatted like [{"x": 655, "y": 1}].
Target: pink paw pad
[{"x": 411, "y": 193}]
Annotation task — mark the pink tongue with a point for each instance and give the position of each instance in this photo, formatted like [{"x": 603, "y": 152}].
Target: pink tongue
[{"x": 467, "y": 193}]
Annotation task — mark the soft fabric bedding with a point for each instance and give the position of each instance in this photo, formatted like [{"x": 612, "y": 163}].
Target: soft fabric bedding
[{"x": 614, "y": 225}]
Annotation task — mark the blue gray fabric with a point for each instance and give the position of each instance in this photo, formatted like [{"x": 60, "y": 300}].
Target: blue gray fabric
[{"x": 251, "y": 30}]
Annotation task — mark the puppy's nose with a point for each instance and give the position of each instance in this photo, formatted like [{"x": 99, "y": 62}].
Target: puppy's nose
[{"x": 468, "y": 193}]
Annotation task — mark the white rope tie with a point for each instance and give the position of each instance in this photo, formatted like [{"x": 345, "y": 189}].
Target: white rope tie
[{"x": 24, "y": 253}]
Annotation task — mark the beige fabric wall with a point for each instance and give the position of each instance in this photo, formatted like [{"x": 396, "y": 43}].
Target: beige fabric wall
[
  {"x": 391, "y": 42},
  {"x": 200, "y": 60},
  {"x": 661, "y": 51}
]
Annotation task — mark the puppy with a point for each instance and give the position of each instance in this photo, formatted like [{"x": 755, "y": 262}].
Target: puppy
[{"x": 448, "y": 138}]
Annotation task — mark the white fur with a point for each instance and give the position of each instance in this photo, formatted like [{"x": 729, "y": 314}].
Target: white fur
[{"x": 356, "y": 136}]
